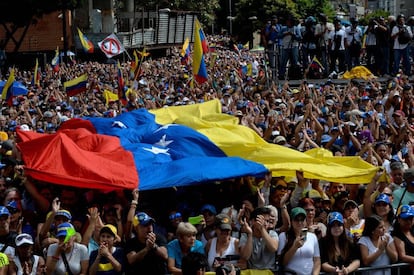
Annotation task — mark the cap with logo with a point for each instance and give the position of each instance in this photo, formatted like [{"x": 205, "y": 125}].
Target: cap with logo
[
  {"x": 23, "y": 239},
  {"x": 405, "y": 212},
  {"x": 62, "y": 229},
  {"x": 335, "y": 217},
  {"x": 143, "y": 219},
  {"x": 223, "y": 222}
]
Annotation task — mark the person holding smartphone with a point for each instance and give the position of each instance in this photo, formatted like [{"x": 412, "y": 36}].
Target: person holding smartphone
[{"x": 299, "y": 249}]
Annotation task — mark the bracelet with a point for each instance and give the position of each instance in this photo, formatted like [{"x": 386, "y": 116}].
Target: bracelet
[
  {"x": 284, "y": 207},
  {"x": 55, "y": 258},
  {"x": 134, "y": 202}
]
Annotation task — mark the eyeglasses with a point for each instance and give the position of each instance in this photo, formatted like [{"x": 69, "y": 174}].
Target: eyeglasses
[
  {"x": 389, "y": 195},
  {"x": 299, "y": 219},
  {"x": 281, "y": 187},
  {"x": 310, "y": 210}
]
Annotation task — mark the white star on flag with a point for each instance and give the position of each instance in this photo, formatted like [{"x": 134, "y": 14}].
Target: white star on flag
[
  {"x": 163, "y": 142},
  {"x": 165, "y": 127},
  {"x": 156, "y": 150}
]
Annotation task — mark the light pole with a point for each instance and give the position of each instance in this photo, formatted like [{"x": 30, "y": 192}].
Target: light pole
[{"x": 231, "y": 19}]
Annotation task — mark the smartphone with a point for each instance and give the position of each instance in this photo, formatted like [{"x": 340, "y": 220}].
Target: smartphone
[
  {"x": 195, "y": 220},
  {"x": 303, "y": 233}
]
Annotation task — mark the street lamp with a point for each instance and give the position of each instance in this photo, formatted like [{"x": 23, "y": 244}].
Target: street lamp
[{"x": 230, "y": 18}]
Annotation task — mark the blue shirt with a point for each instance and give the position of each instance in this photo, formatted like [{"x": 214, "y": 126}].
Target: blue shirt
[{"x": 174, "y": 250}]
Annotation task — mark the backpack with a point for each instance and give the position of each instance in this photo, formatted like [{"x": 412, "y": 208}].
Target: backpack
[{"x": 404, "y": 36}]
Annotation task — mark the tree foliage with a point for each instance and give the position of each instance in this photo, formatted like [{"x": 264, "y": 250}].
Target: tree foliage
[
  {"x": 263, "y": 10},
  {"x": 373, "y": 15}
]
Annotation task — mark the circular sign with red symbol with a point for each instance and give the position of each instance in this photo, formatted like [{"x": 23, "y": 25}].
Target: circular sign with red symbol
[{"x": 111, "y": 46}]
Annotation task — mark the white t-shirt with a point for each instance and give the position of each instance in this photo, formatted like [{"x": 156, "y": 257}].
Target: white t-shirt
[
  {"x": 397, "y": 45},
  {"x": 340, "y": 34},
  {"x": 382, "y": 260},
  {"x": 302, "y": 261},
  {"x": 79, "y": 253}
]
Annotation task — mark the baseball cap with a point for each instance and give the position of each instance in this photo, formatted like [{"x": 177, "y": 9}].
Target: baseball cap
[
  {"x": 335, "y": 217},
  {"x": 296, "y": 212},
  {"x": 405, "y": 211},
  {"x": 210, "y": 208},
  {"x": 382, "y": 198},
  {"x": 144, "y": 219},
  {"x": 109, "y": 228},
  {"x": 279, "y": 139},
  {"x": 350, "y": 202},
  {"x": 295, "y": 91},
  {"x": 398, "y": 113},
  {"x": 325, "y": 138},
  {"x": 312, "y": 194},
  {"x": 408, "y": 173},
  {"x": 23, "y": 239},
  {"x": 64, "y": 213},
  {"x": 48, "y": 114},
  {"x": 62, "y": 229},
  {"x": 223, "y": 222},
  {"x": 4, "y": 211}
]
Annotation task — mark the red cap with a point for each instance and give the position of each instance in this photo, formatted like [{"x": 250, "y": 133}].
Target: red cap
[{"x": 398, "y": 113}]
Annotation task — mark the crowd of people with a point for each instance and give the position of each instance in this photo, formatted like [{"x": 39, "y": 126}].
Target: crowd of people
[
  {"x": 271, "y": 225},
  {"x": 339, "y": 45}
]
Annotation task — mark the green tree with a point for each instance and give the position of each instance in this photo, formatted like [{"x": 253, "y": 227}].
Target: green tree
[
  {"x": 20, "y": 14},
  {"x": 364, "y": 20}
]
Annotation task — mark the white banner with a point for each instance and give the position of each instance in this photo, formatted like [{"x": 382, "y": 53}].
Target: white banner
[{"x": 111, "y": 46}]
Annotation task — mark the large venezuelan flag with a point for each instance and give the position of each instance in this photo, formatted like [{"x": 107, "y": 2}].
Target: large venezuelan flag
[
  {"x": 236, "y": 140},
  {"x": 199, "y": 66},
  {"x": 110, "y": 153}
]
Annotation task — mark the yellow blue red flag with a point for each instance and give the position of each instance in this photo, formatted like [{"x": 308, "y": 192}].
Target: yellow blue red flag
[
  {"x": 86, "y": 43},
  {"x": 76, "y": 85},
  {"x": 199, "y": 65},
  {"x": 7, "y": 93}
]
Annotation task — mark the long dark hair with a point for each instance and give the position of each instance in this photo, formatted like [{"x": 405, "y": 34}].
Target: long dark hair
[
  {"x": 344, "y": 245},
  {"x": 371, "y": 223}
]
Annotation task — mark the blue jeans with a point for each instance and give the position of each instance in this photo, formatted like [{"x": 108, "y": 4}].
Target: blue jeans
[
  {"x": 398, "y": 54},
  {"x": 291, "y": 54}
]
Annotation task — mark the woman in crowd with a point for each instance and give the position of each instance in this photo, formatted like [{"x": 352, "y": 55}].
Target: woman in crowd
[
  {"x": 66, "y": 257},
  {"x": 378, "y": 200},
  {"x": 377, "y": 246},
  {"x": 353, "y": 224},
  {"x": 223, "y": 245},
  {"x": 185, "y": 243},
  {"x": 318, "y": 228},
  {"x": 107, "y": 259},
  {"x": 298, "y": 249},
  {"x": 25, "y": 262},
  {"x": 338, "y": 252},
  {"x": 403, "y": 236},
  {"x": 383, "y": 208}
]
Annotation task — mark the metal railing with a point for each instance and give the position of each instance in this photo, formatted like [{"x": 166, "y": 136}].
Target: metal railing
[{"x": 397, "y": 267}]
